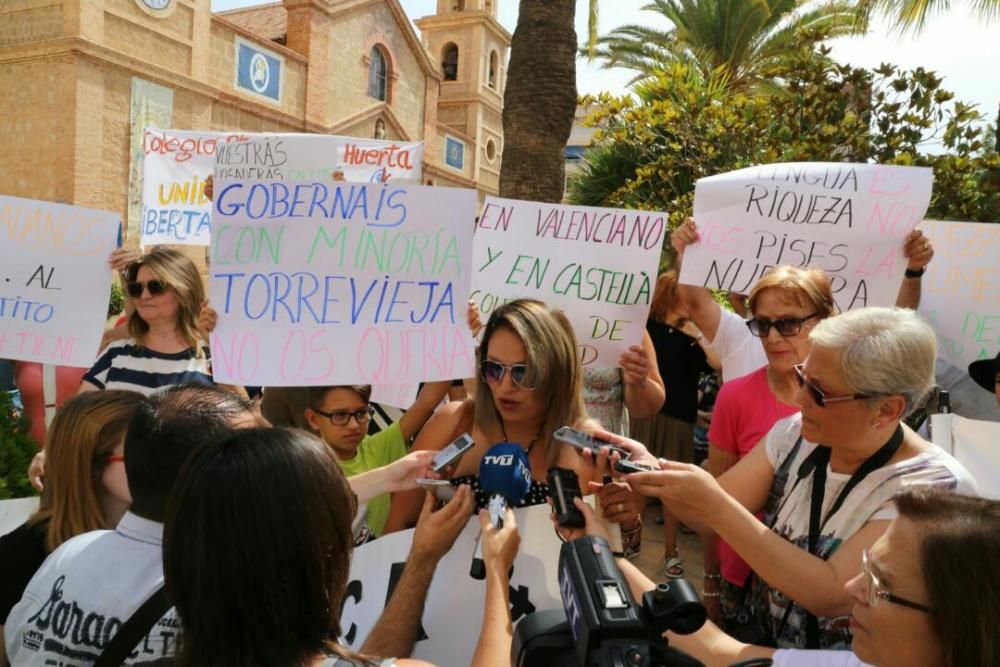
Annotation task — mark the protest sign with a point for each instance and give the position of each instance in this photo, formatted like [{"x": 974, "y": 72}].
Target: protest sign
[
  {"x": 319, "y": 282},
  {"x": 175, "y": 209},
  {"x": 974, "y": 444},
  {"x": 453, "y": 613},
  {"x": 960, "y": 295},
  {"x": 847, "y": 219},
  {"x": 597, "y": 264},
  {"x": 54, "y": 280}
]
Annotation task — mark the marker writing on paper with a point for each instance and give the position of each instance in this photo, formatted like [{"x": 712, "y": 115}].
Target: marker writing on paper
[
  {"x": 377, "y": 205},
  {"x": 325, "y": 299}
]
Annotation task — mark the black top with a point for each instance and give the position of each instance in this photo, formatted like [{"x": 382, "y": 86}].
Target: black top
[
  {"x": 22, "y": 552},
  {"x": 680, "y": 360}
]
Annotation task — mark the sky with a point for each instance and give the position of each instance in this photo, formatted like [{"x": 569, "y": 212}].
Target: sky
[{"x": 956, "y": 45}]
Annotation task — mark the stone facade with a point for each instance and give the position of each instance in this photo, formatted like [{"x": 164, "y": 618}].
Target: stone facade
[{"x": 67, "y": 69}]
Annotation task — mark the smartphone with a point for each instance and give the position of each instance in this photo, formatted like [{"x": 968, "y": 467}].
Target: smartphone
[
  {"x": 452, "y": 452},
  {"x": 583, "y": 441},
  {"x": 441, "y": 488},
  {"x": 564, "y": 486},
  {"x": 626, "y": 467}
]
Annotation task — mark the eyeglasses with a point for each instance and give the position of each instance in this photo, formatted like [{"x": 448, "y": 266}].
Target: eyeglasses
[
  {"x": 115, "y": 458},
  {"x": 343, "y": 417},
  {"x": 877, "y": 591},
  {"x": 493, "y": 372},
  {"x": 818, "y": 397},
  {"x": 786, "y": 326},
  {"x": 155, "y": 287}
]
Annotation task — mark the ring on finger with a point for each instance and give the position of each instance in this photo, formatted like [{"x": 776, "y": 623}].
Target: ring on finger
[{"x": 621, "y": 507}]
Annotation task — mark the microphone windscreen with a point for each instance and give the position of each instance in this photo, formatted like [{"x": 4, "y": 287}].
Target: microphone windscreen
[{"x": 505, "y": 471}]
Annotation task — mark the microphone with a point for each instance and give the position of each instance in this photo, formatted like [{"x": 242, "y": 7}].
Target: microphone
[{"x": 505, "y": 474}]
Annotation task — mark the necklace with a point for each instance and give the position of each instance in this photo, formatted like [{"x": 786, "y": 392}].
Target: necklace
[{"x": 531, "y": 443}]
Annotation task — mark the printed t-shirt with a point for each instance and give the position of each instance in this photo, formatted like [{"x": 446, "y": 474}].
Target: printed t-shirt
[
  {"x": 83, "y": 594},
  {"x": 376, "y": 451},
  {"x": 745, "y": 411},
  {"x": 787, "y": 515}
]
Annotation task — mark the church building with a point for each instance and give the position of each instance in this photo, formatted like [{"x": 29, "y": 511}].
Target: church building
[{"x": 82, "y": 77}]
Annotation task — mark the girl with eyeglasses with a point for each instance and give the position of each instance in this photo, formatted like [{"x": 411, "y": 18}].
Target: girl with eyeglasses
[
  {"x": 825, "y": 477},
  {"x": 530, "y": 385},
  {"x": 85, "y": 487},
  {"x": 164, "y": 346}
]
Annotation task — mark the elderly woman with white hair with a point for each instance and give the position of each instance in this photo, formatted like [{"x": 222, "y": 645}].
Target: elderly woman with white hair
[{"x": 825, "y": 478}]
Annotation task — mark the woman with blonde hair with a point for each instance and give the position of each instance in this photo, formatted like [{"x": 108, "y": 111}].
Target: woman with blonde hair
[
  {"x": 85, "y": 486},
  {"x": 530, "y": 386},
  {"x": 164, "y": 346}
]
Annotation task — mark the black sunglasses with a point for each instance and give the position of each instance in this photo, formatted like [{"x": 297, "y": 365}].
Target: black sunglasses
[
  {"x": 493, "y": 372},
  {"x": 343, "y": 417},
  {"x": 786, "y": 326},
  {"x": 818, "y": 397},
  {"x": 155, "y": 287}
]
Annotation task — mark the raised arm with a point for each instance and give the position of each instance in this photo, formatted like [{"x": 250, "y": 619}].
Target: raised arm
[
  {"x": 644, "y": 391},
  {"x": 918, "y": 252},
  {"x": 429, "y": 398},
  {"x": 704, "y": 311}
]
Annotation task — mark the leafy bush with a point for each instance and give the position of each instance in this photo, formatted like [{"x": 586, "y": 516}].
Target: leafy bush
[
  {"x": 116, "y": 303},
  {"x": 16, "y": 450}
]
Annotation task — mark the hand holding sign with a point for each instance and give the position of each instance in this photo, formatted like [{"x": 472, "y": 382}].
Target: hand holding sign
[{"x": 848, "y": 220}]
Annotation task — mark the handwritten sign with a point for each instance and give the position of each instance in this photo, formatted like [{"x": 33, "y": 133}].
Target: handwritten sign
[
  {"x": 398, "y": 395},
  {"x": 318, "y": 282},
  {"x": 960, "y": 295},
  {"x": 175, "y": 209},
  {"x": 596, "y": 264},
  {"x": 453, "y": 613},
  {"x": 54, "y": 280},
  {"x": 847, "y": 219}
]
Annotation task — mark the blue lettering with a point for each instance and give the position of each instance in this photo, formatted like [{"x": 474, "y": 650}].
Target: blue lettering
[{"x": 246, "y": 296}]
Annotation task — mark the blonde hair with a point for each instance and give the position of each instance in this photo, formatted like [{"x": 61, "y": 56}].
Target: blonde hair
[
  {"x": 554, "y": 367},
  {"x": 86, "y": 430},
  {"x": 181, "y": 275},
  {"x": 807, "y": 287},
  {"x": 884, "y": 351}
]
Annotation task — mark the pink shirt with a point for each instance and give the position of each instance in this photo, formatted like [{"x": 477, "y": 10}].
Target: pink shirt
[
  {"x": 29, "y": 380},
  {"x": 745, "y": 411}
]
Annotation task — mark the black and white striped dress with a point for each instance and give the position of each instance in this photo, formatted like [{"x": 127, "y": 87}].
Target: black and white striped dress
[{"x": 126, "y": 365}]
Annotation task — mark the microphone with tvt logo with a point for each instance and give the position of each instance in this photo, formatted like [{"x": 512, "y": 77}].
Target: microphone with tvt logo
[{"x": 505, "y": 474}]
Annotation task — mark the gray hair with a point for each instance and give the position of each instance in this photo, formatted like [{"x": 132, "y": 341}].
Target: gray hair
[{"x": 884, "y": 351}]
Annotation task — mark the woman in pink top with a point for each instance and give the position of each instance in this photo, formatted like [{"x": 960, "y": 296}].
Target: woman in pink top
[{"x": 785, "y": 305}]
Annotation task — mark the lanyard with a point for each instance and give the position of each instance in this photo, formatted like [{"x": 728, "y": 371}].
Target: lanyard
[
  {"x": 821, "y": 459},
  {"x": 816, "y": 463}
]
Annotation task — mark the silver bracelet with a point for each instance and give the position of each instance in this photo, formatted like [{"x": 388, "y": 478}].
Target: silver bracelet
[
  {"x": 706, "y": 594},
  {"x": 712, "y": 577}
]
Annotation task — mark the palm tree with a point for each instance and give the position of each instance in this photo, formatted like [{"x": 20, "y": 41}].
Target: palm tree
[
  {"x": 742, "y": 39},
  {"x": 913, "y": 14},
  {"x": 540, "y": 98}
]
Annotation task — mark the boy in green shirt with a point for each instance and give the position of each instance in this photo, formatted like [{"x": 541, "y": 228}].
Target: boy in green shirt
[{"x": 340, "y": 415}]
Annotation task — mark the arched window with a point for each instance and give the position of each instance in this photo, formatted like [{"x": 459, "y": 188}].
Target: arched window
[
  {"x": 378, "y": 75},
  {"x": 449, "y": 62},
  {"x": 492, "y": 75}
]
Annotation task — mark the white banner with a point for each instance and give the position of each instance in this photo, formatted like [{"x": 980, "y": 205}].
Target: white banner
[
  {"x": 175, "y": 209},
  {"x": 960, "y": 294},
  {"x": 320, "y": 283},
  {"x": 847, "y": 219},
  {"x": 599, "y": 265},
  {"x": 974, "y": 444},
  {"x": 453, "y": 614},
  {"x": 55, "y": 282}
]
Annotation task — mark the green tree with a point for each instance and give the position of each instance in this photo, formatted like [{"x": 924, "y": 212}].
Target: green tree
[
  {"x": 912, "y": 15},
  {"x": 16, "y": 450},
  {"x": 684, "y": 127},
  {"x": 741, "y": 39}
]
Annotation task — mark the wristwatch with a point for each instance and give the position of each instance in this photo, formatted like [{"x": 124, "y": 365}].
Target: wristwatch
[{"x": 915, "y": 273}]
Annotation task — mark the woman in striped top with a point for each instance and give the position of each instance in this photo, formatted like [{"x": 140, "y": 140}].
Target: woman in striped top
[{"x": 164, "y": 346}]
